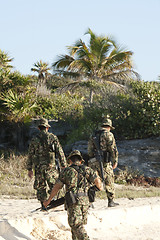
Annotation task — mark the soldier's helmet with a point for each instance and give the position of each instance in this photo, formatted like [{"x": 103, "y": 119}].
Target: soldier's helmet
[
  {"x": 75, "y": 153},
  {"x": 107, "y": 122},
  {"x": 43, "y": 122}
]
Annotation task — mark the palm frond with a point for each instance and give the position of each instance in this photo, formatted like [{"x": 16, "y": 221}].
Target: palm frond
[
  {"x": 62, "y": 62},
  {"x": 102, "y": 59}
]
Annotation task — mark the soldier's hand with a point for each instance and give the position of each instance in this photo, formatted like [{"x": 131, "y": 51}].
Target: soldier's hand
[
  {"x": 45, "y": 203},
  {"x": 115, "y": 165},
  {"x": 30, "y": 174},
  {"x": 99, "y": 184}
]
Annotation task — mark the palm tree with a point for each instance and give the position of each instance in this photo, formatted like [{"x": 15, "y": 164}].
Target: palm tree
[
  {"x": 5, "y": 61},
  {"x": 5, "y": 68},
  {"x": 102, "y": 61},
  {"x": 42, "y": 69}
]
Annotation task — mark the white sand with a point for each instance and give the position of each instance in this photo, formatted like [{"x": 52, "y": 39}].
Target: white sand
[{"x": 137, "y": 219}]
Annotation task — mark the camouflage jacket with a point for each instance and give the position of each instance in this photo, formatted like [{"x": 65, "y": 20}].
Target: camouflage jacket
[
  {"x": 43, "y": 150},
  {"x": 77, "y": 182},
  {"x": 107, "y": 144}
]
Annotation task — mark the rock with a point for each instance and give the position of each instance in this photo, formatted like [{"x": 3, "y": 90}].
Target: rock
[{"x": 139, "y": 154}]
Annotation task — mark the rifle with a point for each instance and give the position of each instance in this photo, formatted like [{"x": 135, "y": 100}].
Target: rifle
[
  {"x": 99, "y": 156},
  {"x": 53, "y": 204}
]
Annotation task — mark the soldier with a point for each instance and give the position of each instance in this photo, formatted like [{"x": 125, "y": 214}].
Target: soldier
[
  {"x": 109, "y": 150},
  {"x": 43, "y": 151},
  {"x": 77, "y": 178}
]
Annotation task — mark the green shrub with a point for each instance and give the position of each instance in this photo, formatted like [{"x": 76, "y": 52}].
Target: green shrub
[
  {"x": 60, "y": 106},
  {"x": 137, "y": 116}
]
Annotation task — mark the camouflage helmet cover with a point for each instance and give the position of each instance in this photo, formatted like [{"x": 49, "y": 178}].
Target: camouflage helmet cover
[
  {"x": 43, "y": 122},
  {"x": 108, "y": 122},
  {"x": 74, "y": 153}
]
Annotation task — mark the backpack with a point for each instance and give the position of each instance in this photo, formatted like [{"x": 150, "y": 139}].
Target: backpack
[
  {"x": 105, "y": 154},
  {"x": 46, "y": 150},
  {"x": 96, "y": 135},
  {"x": 81, "y": 172},
  {"x": 72, "y": 198}
]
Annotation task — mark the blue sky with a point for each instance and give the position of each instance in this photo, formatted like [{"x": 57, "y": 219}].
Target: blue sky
[{"x": 33, "y": 30}]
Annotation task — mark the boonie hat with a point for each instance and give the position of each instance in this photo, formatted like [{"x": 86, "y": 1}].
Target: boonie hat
[
  {"x": 43, "y": 122},
  {"x": 75, "y": 153},
  {"x": 108, "y": 122}
]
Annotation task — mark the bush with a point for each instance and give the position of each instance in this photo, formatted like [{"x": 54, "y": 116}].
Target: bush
[
  {"x": 137, "y": 116},
  {"x": 60, "y": 106}
]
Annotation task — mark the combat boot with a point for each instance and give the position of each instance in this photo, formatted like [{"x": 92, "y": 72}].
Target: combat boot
[
  {"x": 91, "y": 205},
  {"x": 111, "y": 203}
]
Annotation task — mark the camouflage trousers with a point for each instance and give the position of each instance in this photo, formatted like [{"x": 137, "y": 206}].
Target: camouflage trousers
[
  {"x": 77, "y": 218},
  {"x": 45, "y": 179},
  {"x": 108, "y": 176},
  {"x": 109, "y": 181}
]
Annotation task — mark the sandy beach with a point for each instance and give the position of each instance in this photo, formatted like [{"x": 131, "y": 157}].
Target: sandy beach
[{"x": 136, "y": 219}]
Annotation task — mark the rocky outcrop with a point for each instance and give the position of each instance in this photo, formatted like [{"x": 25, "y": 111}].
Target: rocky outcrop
[
  {"x": 141, "y": 154},
  {"x": 18, "y": 135}
]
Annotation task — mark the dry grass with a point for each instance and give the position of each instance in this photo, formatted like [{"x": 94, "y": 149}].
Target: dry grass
[
  {"x": 14, "y": 181},
  {"x": 131, "y": 192}
]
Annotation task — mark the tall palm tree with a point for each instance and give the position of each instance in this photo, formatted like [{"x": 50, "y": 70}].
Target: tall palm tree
[
  {"x": 42, "y": 69},
  {"x": 101, "y": 60}
]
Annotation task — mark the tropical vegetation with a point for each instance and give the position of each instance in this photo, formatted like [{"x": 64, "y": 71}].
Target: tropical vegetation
[
  {"x": 101, "y": 61},
  {"x": 94, "y": 79}
]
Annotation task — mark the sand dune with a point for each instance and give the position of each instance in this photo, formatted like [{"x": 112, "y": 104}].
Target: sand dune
[{"x": 137, "y": 219}]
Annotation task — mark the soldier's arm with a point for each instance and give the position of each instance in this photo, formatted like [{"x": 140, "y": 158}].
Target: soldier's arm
[
  {"x": 114, "y": 153},
  {"x": 94, "y": 178},
  {"x": 30, "y": 174},
  {"x": 90, "y": 148},
  {"x": 54, "y": 191},
  {"x": 98, "y": 183},
  {"x": 115, "y": 162},
  {"x": 59, "y": 152},
  {"x": 31, "y": 152}
]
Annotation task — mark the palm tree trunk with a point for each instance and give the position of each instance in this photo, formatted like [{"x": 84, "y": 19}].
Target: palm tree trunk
[{"x": 91, "y": 96}]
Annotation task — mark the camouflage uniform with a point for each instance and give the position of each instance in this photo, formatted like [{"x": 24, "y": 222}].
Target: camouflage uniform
[
  {"x": 77, "y": 213},
  {"x": 107, "y": 145},
  {"x": 41, "y": 156}
]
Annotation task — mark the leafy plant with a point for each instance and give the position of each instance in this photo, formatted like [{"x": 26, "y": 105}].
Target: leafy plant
[
  {"x": 60, "y": 106},
  {"x": 18, "y": 107},
  {"x": 137, "y": 115}
]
